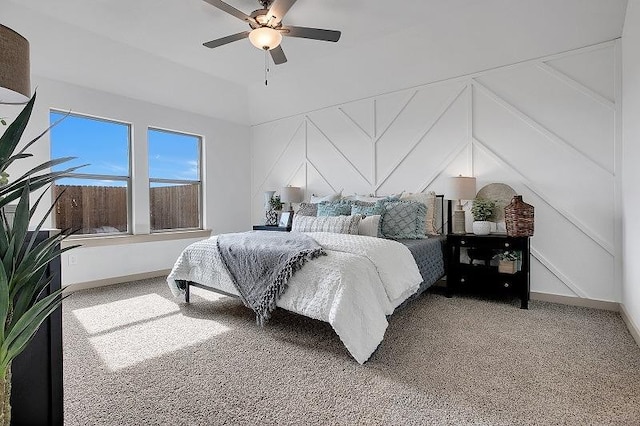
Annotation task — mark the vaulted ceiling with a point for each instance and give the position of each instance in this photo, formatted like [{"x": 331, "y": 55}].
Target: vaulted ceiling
[{"x": 152, "y": 49}]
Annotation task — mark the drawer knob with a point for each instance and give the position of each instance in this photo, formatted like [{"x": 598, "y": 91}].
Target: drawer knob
[
  {"x": 461, "y": 280},
  {"x": 507, "y": 244},
  {"x": 506, "y": 285},
  {"x": 463, "y": 242}
]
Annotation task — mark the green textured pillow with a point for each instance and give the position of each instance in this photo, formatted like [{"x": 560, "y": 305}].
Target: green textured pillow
[
  {"x": 403, "y": 220},
  {"x": 367, "y": 209},
  {"x": 334, "y": 208}
]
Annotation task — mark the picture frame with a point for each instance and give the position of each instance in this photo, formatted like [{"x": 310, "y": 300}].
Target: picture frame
[{"x": 285, "y": 219}]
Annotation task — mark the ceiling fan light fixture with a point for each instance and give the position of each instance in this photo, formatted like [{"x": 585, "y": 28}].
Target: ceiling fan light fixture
[{"x": 265, "y": 38}]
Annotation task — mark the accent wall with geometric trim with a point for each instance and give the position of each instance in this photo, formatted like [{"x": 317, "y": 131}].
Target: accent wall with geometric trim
[{"x": 549, "y": 128}]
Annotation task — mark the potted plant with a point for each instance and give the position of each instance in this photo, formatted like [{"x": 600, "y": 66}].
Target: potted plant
[
  {"x": 508, "y": 261},
  {"x": 275, "y": 206},
  {"x": 482, "y": 210},
  {"x": 22, "y": 261}
]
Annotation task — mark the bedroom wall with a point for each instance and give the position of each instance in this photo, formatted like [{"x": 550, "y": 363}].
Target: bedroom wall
[
  {"x": 631, "y": 159},
  {"x": 225, "y": 175},
  {"x": 548, "y": 127}
]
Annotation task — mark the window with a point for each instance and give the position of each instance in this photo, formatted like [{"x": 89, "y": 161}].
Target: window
[
  {"x": 95, "y": 198},
  {"x": 174, "y": 180}
]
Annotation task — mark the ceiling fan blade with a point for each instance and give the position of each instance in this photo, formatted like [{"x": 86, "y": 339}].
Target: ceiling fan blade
[
  {"x": 225, "y": 40},
  {"x": 230, "y": 10},
  {"x": 278, "y": 9},
  {"x": 278, "y": 55},
  {"x": 313, "y": 33}
]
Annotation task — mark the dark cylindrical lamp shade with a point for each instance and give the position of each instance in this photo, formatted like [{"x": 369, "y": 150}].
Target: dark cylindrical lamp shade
[{"x": 15, "y": 82}]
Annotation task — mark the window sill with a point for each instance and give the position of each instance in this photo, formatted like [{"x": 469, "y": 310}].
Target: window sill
[{"x": 113, "y": 240}]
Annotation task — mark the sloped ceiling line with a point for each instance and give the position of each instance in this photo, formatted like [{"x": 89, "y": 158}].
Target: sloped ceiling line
[
  {"x": 548, "y": 134},
  {"x": 593, "y": 235},
  {"x": 446, "y": 107},
  {"x": 275, "y": 163},
  {"x": 338, "y": 150},
  {"x": 549, "y": 69}
]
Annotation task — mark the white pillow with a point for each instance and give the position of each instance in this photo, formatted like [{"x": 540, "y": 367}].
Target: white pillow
[
  {"x": 369, "y": 226},
  {"x": 332, "y": 197},
  {"x": 335, "y": 224},
  {"x": 429, "y": 200}
]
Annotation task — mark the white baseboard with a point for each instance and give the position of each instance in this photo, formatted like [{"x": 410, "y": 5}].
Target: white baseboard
[
  {"x": 634, "y": 329},
  {"x": 576, "y": 301},
  {"x": 115, "y": 280}
]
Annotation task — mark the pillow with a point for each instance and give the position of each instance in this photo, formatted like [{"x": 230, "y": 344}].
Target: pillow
[
  {"x": 366, "y": 209},
  {"x": 373, "y": 198},
  {"x": 307, "y": 209},
  {"x": 369, "y": 226},
  {"x": 403, "y": 220},
  {"x": 333, "y": 197},
  {"x": 334, "y": 208},
  {"x": 429, "y": 200},
  {"x": 335, "y": 224}
]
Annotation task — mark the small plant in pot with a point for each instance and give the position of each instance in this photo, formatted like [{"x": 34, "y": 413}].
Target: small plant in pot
[
  {"x": 482, "y": 210},
  {"x": 275, "y": 206},
  {"x": 508, "y": 263}
]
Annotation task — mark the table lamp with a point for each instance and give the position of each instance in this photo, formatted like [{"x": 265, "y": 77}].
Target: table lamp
[
  {"x": 291, "y": 194},
  {"x": 460, "y": 188}
]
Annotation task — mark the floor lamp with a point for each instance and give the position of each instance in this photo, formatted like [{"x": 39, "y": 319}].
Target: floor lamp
[{"x": 460, "y": 188}]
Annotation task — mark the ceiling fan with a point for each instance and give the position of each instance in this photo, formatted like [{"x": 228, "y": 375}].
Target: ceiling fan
[{"x": 267, "y": 28}]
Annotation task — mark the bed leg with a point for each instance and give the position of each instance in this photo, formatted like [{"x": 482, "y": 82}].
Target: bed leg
[{"x": 186, "y": 292}]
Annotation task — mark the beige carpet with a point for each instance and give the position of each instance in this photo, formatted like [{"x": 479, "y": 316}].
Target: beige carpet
[{"x": 134, "y": 355}]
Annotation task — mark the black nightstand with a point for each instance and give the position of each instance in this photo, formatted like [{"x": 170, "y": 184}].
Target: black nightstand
[
  {"x": 470, "y": 265},
  {"x": 271, "y": 228}
]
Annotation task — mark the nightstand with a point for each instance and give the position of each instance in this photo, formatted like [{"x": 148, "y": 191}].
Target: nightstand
[
  {"x": 472, "y": 263},
  {"x": 271, "y": 228}
]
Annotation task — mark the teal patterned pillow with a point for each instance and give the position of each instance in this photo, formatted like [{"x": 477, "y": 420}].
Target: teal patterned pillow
[
  {"x": 403, "y": 220},
  {"x": 334, "y": 208},
  {"x": 367, "y": 209}
]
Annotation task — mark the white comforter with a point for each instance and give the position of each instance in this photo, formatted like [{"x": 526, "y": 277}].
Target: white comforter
[{"x": 353, "y": 288}]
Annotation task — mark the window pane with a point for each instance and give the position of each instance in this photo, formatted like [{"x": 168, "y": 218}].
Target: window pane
[
  {"x": 173, "y": 155},
  {"x": 103, "y": 145},
  {"x": 91, "y": 206},
  {"x": 174, "y": 206}
]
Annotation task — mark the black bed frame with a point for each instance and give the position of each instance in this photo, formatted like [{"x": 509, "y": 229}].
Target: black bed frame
[{"x": 445, "y": 220}]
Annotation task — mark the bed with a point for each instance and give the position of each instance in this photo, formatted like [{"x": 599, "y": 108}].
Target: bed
[{"x": 359, "y": 283}]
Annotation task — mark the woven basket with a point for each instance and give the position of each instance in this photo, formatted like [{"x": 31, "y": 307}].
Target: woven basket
[{"x": 518, "y": 217}]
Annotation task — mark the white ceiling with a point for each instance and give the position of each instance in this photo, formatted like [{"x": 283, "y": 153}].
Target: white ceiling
[{"x": 392, "y": 44}]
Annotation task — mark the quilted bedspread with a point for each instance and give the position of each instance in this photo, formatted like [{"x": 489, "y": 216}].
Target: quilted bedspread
[{"x": 353, "y": 288}]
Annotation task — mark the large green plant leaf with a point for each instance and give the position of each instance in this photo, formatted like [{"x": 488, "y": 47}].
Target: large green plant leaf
[
  {"x": 23, "y": 260},
  {"x": 11, "y": 137}
]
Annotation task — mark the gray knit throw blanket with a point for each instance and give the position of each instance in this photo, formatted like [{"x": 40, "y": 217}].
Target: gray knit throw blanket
[{"x": 260, "y": 264}]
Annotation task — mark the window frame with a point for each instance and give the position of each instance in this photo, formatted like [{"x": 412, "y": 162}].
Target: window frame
[
  {"x": 91, "y": 176},
  {"x": 199, "y": 182}
]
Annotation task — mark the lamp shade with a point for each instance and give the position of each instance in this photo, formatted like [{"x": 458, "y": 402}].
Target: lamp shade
[
  {"x": 265, "y": 38},
  {"x": 15, "y": 84},
  {"x": 461, "y": 188},
  {"x": 291, "y": 194}
]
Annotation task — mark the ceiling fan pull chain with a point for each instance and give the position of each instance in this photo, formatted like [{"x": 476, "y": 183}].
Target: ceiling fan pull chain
[{"x": 266, "y": 67}]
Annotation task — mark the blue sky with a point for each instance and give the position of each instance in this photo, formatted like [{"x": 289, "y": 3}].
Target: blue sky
[{"x": 104, "y": 145}]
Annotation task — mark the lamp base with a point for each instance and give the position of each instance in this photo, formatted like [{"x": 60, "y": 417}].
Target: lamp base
[{"x": 459, "y": 226}]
